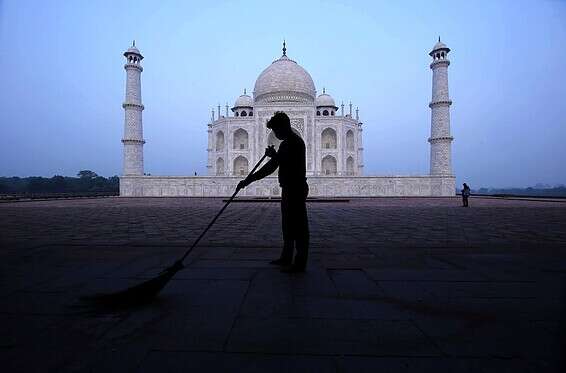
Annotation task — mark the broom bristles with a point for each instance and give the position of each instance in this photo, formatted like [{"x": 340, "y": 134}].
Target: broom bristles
[{"x": 135, "y": 295}]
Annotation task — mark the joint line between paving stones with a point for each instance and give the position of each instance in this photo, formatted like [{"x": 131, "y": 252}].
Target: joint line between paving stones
[
  {"x": 138, "y": 366},
  {"x": 376, "y": 282},
  {"x": 430, "y": 339},
  {"x": 327, "y": 270},
  {"x": 225, "y": 344}
]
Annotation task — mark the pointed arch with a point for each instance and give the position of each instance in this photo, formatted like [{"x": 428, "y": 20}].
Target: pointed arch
[
  {"x": 329, "y": 166},
  {"x": 240, "y": 139},
  {"x": 219, "y": 141},
  {"x": 350, "y": 166},
  {"x": 350, "y": 140},
  {"x": 241, "y": 166},
  {"x": 220, "y": 166},
  {"x": 328, "y": 138}
]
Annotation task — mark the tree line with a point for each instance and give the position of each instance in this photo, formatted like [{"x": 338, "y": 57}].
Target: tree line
[
  {"x": 86, "y": 182},
  {"x": 557, "y": 191}
]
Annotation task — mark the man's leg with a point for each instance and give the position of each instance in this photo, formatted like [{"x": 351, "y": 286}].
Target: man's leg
[
  {"x": 302, "y": 235},
  {"x": 287, "y": 229},
  {"x": 297, "y": 202}
]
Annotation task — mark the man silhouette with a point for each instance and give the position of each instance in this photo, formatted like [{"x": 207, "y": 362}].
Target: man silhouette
[
  {"x": 290, "y": 158},
  {"x": 465, "y": 194}
]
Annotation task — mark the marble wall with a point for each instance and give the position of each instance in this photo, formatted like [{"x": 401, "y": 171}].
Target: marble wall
[{"x": 321, "y": 186}]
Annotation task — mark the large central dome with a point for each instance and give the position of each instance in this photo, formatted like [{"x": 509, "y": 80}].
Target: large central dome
[{"x": 284, "y": 81}]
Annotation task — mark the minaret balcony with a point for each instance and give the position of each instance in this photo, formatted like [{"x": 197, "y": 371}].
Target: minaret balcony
[
  {"x": 131, "y": 105},
  {"x": 133, "y": 66},
  {"x": 133, "y": 141},
  {"x": 440, "y": 103},
  {"x": 440, "y": 139}
]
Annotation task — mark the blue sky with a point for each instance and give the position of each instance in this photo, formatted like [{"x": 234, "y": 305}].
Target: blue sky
[{"x": 62, "y": 80}]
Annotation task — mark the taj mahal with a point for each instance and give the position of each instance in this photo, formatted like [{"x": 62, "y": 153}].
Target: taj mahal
[{"x": 237, "y": 138}]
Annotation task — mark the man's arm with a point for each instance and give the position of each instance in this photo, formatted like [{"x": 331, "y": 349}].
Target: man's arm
[{"x": 266, "y": 170}]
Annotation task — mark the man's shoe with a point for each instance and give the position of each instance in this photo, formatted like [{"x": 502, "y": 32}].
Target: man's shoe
[
  {"x": 293, "y": 269},
  {"x": 280, "y": 262}
]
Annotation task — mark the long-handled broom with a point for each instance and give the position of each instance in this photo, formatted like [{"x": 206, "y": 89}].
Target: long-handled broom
[{"x": 146, "y": 291}]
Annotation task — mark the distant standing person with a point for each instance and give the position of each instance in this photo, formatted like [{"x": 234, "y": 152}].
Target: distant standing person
[
  {"x": 465, "y": 195},
  {"x": 290, "y": 159}
]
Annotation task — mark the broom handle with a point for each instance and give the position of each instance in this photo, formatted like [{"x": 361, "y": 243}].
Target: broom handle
[{"x": 219, "y": 213}]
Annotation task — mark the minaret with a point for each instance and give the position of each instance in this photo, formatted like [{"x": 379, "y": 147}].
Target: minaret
[
  {"x": 440, "y": 139},
  {"x": 133, "y": 130}
]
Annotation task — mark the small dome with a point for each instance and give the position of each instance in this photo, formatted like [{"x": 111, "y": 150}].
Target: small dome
[
  {"x": 243, "y": 101},
  {"x": 439, "y": 46},
  {"x": 325, "y": 100},
  {"x": 133, "y": 50}
]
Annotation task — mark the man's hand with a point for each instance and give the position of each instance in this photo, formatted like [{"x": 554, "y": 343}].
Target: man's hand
[
  {"x": 270, "y": 151},
  {"x": 242, "y": 184}
]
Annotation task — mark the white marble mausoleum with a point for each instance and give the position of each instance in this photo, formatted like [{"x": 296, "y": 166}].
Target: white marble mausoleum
[{"x": 237, "y": 138}]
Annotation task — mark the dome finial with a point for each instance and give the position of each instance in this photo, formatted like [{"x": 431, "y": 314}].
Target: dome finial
[
  {"x": 284, "y": 48},
  {"x": 439, "y": 38},
  {"x": 134, "y": 43},
  {"x": 244, "y": 91},
  {"x": 323, "y": 90}
]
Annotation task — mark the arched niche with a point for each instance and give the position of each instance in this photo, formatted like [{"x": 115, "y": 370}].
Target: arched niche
[
  {"x": 240, "y": 139},
  {"x": 240, "y": 166},
  {"x": 219, "y": 141},
  {"x": 350, "y": 140},
  {"x": 328, "y": 138},
  {"x": 220, "y": 166},
  {"x": 350, "y": 166},
  {"x": 329, "y": 166}
]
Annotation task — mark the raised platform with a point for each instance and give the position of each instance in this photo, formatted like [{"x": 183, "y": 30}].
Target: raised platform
[
  {"x": 278, "y": 200},
  {"x": 393, "y": 285},
  {"x": 319, "y": 186}
]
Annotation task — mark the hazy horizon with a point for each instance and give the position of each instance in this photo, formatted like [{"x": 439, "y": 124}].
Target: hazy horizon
[{"x": 61, "y": 68}]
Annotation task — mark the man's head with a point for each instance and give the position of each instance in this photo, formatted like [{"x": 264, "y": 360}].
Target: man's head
[{"x": 280, "y": 124}]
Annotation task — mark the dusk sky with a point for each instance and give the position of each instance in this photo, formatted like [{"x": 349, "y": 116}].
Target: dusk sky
[{"x": 62, "y": 80}]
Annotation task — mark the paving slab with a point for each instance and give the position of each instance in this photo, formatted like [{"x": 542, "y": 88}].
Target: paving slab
[
  {"x": 499, "y": 339},
  {"x": 393, "y": 284},
  {"x": 329, "y": 337}
]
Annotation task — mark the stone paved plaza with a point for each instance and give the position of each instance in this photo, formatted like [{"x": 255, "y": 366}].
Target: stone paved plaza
[{"x": 393, "y": 285}]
